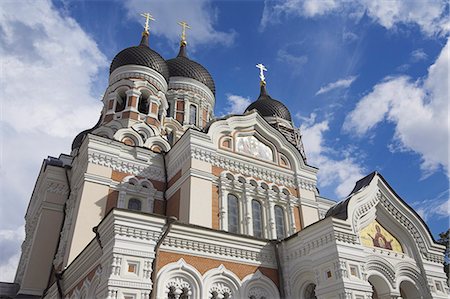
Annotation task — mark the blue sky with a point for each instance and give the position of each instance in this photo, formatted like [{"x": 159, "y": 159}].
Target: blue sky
[{"x": 366, "y": 81}]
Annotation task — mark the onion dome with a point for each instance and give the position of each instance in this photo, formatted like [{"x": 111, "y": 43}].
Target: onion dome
[
  {"x": 266, "y": 106},
  {"x": 141, "y": 55},
  {"x": 182, "y": 66}
]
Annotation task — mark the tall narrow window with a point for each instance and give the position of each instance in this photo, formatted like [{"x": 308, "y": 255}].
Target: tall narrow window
[
  {"x": 168, "y": 109},
  {"x": 233, "y": 213},
  {"x": 134, "y": 204},
  {"x": 144, "y": 105},
  {"x": 121, "y": 101},
  {"x": 279, "y": 222},
  {"x": 192, "y": 114},
  {"x": 257, "y": 218}
]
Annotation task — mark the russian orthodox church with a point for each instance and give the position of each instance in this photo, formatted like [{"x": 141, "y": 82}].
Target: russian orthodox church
[{"x": 161, "y": 199}]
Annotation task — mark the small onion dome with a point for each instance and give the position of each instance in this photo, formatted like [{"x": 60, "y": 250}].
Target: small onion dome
[
  {"x": 141, "y": 55},
  {"x": 266, "y": 106},
  {"x": 80, "y": 137},
  {"x": 182, "y": 66}
]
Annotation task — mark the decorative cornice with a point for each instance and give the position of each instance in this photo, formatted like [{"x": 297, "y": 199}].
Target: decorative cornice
[
  {"x": 139, "y": 72},
  {"x": 127, "y": 166},
  {"x": 220, "y": 251}
]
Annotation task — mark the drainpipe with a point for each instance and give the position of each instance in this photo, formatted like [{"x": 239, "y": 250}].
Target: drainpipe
[
  {"x": 166, "y": 183},
  {"x": 276, "y": 244},
  {"x": 166, "y": 229}
]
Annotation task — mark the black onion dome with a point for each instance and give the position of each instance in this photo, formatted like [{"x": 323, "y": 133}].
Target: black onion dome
[
  {"x": 141, "y": 55},
  {"x": 266, "y": 106},
  {"x": 182, "y": 66}
]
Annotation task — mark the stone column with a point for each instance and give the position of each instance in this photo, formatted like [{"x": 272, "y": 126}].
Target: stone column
[
  {"x": 248, "y": 217},
  {"x": 272, "y": 228},
  {"x": 223, "y": 208},
  {"x": 291, "y": 217}
]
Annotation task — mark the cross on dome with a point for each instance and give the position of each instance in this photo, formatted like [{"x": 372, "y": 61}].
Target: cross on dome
[
  {"x": 184, "y": 26},
  {"x": 148, "y": 17},
  {"x": 262, "y": 68}
]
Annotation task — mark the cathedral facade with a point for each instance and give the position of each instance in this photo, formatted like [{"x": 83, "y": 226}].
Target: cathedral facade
[{"x": 160, "y": 199}]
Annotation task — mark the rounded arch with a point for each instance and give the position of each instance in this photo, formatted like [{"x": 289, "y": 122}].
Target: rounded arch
[
  {"x": 179, "y": 275},
  {"x": 103, "y": 131},
  {"x": 376, "y": 265},
  {"x": 409, "y": 290},
  {"x": 221, "y": 280},
  {"x": 301, "y": 278},
  {"x": 144, "y": 130},
  {"x": 408, "y": 274},
  {"x": 259, "y": 286},
  {"x": 380, "y": 286},
  {"x": 158, "y": 141},
  {"x": 121, "y": 134}
]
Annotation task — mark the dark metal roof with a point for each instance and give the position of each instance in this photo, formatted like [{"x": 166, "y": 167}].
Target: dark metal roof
[
  {"x": 76, "y": 143},
  {"x": 266, "y": 106},
  {"x": 182, "y": 66},
  {"x": 340, "y": 210},
  {"x": 141, "y": 55}
]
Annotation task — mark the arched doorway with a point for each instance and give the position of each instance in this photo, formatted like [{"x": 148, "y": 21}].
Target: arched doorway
[
  {"x": 379, "y": 286},
  {"x": 310, "y": 291},
  {"x": 408, "y": 290}
]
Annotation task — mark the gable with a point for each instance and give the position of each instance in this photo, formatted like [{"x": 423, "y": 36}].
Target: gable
[
  {"x": 251, "y": 137},
  {"x": 373, "y": 202}
]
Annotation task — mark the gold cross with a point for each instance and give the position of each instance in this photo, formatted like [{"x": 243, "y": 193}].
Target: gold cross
[
  {"x": 184, "y": 26},
  {"x": 148, "y": 17},
  {"x": 262, "y": 68}
]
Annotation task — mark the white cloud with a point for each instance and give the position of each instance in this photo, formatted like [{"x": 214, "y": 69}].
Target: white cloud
[
  {"x": 294, "y": 60},
  {"x": 419, "y": 111},
  {"x": 341, "y": 172},
  {"x": 431, "y": 18},
  {"x": 199, "y": 14},
  {"x": 10, "y": 240},
  {"x": 438, "y": 207},
  {"x": 50, "y": 68},
  {"x": 339, "y": 84},
  {"x": 418, "y": 55},
  {"x": 236, "y": 104}
]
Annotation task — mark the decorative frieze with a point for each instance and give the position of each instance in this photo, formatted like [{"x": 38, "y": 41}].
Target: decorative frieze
[
  {"x": 115, "y": 163},
  {"x": 259, "y": 256}
]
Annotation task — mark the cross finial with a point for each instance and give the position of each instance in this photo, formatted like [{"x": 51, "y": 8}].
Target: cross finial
[
  {"x": 262, "y": 68},
  {"x": 148, "y": 17},
  {"x": 184, "y": 26}
]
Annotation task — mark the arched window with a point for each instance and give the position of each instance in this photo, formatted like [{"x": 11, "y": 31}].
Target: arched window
[
  {"x": 279, "y": 222},
  {"x": 134, "y": 204},
  {"x": 121, "y": 101},
  {"x": 144, "y": 105},
  {"x": 257, "y": 218},
  {"x": 192, "y": 114},
  {"x": 233, "y": 213},
  {"x": 168, "y": 109}
]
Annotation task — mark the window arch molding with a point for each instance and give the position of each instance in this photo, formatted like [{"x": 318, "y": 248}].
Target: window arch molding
[
  {"x": 177, "y": 275},
  {"x": 259, "y": 283},
  {"x": 221, "y": 278},
  {"x": 140, "y": 189}
]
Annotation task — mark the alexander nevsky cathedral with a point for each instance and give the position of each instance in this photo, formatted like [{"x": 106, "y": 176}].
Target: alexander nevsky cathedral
[{"x": 161, "y": 199}]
